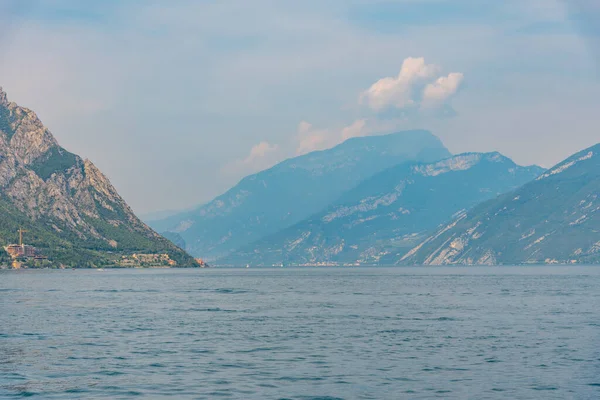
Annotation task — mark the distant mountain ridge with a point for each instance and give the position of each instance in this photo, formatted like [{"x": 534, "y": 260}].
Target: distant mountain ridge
[
  {"x": 553, "y": 219},
  {"x": 383, "y": 217},
  {"x": 269, "y": 201},
  {"x": 68, "y": 206}
]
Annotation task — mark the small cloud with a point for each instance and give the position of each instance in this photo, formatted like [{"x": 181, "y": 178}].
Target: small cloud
[
  {"x": 260, "y": 151},
  {"x": 354, "y": 130},
  {"x": 311, "y": 139},
  {"x": 416, "y": 83},
  {"x": 398, "y": 92},
  {"x": 442, "y": 89},
  {"x": 304, "y": 127},
  {"x": 262, "y": 156}
]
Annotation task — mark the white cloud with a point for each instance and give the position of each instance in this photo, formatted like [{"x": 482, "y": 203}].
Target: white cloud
[
  {"x": 262, "y": 156},
  {"x": 398, "y": 91},
  {"x": 416, "y": 83},
  {"x": 311, "y": 139},
  {"x": 308, "y": 138},
  {"x": 260, "y": 151},
  {"x": 354, "y": 130},
  {"x": 442, "y": 89}
]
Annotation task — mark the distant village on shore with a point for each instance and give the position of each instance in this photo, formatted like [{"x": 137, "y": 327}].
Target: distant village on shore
[{"x": 24, "y": 256}]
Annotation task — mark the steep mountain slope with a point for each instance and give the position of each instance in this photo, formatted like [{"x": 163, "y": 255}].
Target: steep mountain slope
[
  {"x": 382, "y": 217},
  {"x": 554, "y": 219},
  {"x": 71, "y": 210},
  {"x": 289, "y": 192}
]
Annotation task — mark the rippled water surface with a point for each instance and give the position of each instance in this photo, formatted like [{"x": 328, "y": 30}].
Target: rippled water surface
[{"x": 354, "y": 333}]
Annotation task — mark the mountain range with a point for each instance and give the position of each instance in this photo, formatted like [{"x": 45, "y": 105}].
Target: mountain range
[
  {"x": 380, "y": 219},
  {"x": 401, "y": 198},
  {"x": 291, "y": 191},
  {"x": 70, "y": 210},
  {"x": 553, "y": 219}
]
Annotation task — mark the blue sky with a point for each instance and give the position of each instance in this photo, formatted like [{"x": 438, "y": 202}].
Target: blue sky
[{"x": 177, "y": 100}]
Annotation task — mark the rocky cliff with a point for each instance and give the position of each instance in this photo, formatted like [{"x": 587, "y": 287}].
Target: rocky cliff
[{"x": 70, "y": 208}]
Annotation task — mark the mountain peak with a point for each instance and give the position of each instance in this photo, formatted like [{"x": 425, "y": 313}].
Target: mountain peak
[
  {"x": 400, "y": 137},
  {"x": 28, "y": 138}
]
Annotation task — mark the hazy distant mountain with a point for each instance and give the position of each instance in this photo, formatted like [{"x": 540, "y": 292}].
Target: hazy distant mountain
[
  {"x": 271, "y": 200},
  {"x": 383, "y": 217},
  {"x": 69, "y": 208},
  {"x": 554, "y": 219}
]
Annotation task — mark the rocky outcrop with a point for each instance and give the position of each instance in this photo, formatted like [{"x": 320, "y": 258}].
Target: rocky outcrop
[{"x": 60, "y": 191}]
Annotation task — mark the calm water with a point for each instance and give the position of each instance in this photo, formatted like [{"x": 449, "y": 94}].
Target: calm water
[{"x": 355, "y": 333}]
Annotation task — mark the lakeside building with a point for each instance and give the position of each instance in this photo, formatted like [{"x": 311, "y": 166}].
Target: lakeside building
[
  {"x": 22, "y": 252},
  {"x": 137, "y": 260}
]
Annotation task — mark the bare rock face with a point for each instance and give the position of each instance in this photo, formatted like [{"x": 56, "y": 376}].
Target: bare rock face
[
  {"x": 50, "y": 185},
  {"x": 74, "y": 190}
]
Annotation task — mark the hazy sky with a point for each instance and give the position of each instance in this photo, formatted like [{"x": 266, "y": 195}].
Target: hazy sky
[{"x": 177, "y": 100}]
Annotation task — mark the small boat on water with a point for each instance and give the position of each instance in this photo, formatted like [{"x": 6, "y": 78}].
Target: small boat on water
[
  {"x": 100, "y": 269},
  {"x": 247, "y": 265}
]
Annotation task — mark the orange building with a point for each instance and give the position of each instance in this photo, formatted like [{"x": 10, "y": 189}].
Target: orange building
[{"x": 23, "y": 250}]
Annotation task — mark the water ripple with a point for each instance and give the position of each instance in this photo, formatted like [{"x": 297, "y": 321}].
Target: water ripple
[{"x": 356, "y": 333}]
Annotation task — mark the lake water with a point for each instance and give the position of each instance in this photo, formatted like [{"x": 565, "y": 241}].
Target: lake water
[{"x": 313, "y": 333}]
